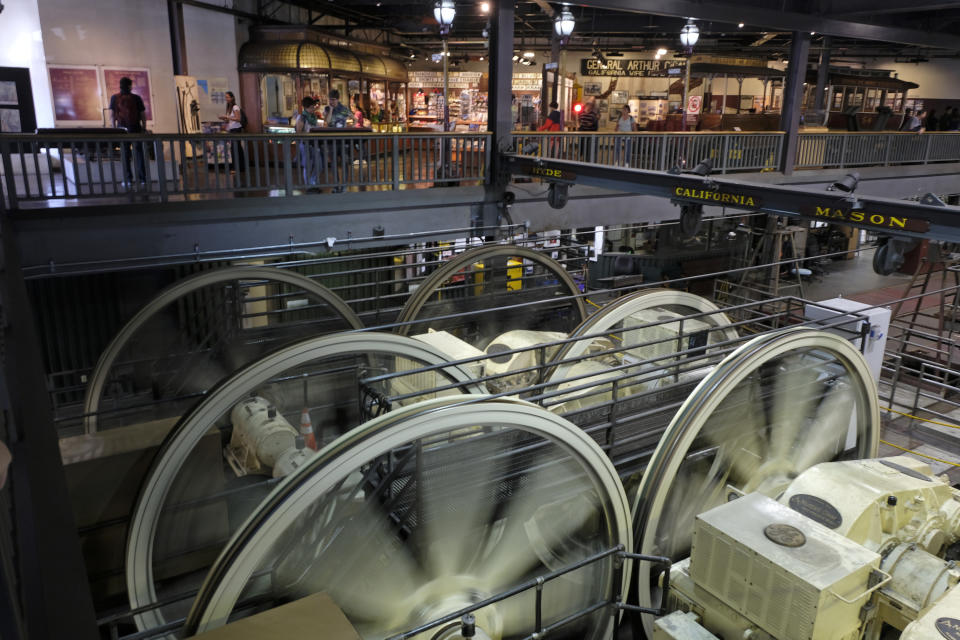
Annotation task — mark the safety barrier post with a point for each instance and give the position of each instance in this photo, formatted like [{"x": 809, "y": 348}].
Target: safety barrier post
[
  {"x": 725, "y": 150},
  {"x": 287, "y": 168},
  {"x": 395, "y": 163},
  {"x": 6, "y": 150},
  {"x": 161, "y": 168}
]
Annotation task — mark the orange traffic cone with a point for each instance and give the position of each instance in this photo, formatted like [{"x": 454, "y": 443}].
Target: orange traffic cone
[{"x": 306, "y": 429}]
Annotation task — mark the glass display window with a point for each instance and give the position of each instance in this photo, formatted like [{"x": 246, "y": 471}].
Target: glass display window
[
  {"x": 838, "y": 98},
  {"x": 279, "y": 91}
]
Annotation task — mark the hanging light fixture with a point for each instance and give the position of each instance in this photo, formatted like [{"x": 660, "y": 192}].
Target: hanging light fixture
[
  {"x": 563, "y": 24},
  {"x": 689, "y": 34},
  {"x": 444, "y": 11}
]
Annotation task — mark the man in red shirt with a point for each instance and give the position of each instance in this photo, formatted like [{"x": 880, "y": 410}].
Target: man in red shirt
[{"x": 129, "y": 113}]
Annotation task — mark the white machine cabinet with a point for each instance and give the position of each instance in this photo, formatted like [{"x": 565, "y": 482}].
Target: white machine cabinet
[{"x": 840, "y": 308}]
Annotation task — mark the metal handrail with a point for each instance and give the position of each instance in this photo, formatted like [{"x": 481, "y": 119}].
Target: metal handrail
[{"x": 78, "y": 166}]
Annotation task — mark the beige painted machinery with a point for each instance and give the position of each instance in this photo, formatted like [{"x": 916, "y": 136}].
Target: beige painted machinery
[{"x": 852, "y": 549}]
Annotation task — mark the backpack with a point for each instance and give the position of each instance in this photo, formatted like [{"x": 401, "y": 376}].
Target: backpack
[
  {"x": 128, "y": 111},
  {"x": 243, "y": 119}
]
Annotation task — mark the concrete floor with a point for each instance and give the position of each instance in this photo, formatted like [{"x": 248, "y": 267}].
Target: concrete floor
[
  {"x": 848, "y": 278},
  {"x": 935, "y": 444}
]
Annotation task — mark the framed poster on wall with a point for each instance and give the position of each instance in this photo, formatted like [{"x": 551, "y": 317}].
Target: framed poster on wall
[
  {"x": 141, "y": 85},
  {"x": 17, "y": 114},
  {"x": 76, "y": 95}
]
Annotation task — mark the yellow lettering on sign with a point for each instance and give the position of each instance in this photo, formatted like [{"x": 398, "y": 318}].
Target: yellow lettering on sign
[
  {"x": 899, "y": 222},
  {"x": 856, "y": 216},
  {"x": 823, "y": 211}
]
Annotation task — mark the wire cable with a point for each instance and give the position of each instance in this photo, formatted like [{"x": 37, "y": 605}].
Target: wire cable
[
  {"x": 942, "y": 424},
  {"x": 917, "y": 453}
]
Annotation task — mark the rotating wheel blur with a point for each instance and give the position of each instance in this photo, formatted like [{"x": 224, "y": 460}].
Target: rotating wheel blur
[
  {"x": 483, "y": 280},
  {"x": 190, "y": 502},
  {"x": 421, "y": 513},
  {"x": 776, "y": 406},
  {"x": 616, "y": 315},
  {"x": 211, "y": 320}
]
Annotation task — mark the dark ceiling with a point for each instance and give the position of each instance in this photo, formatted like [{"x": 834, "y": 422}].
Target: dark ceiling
[{"x": 908, "y": 31}]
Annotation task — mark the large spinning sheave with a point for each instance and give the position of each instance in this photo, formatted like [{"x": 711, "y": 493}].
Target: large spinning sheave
[
  {"x": 192, "y": 500},
  {"x": 426, "y": 511},
  {"x": 776, "y": 406}
]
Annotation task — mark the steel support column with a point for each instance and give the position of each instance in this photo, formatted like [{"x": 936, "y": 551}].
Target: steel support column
[
  {"x": 555, "y": 59},
  {"x": 499, "y": 118},
  {"x": 792, "y": 95},
  {"x": 178, "y": 41},
  {"x": 823, "y": 74},
  {"x": 56, "y": 594}
]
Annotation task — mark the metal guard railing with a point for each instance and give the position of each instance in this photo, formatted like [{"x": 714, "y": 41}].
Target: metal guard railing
[
  {"x": 62, "y": 167},
  {"x": 51, "y": 167},
  {"x": 841, "y": 150},
  {"x": 658, "y": 151}
]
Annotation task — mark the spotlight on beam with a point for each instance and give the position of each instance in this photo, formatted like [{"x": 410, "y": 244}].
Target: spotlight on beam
[
  {"x": 847, "y": 184},
  {"x": 703, "y": 169}
]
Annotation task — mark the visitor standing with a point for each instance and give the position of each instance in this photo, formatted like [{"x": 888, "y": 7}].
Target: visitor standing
[
  {"x": 625, "y": 124},
  {"x": 310, "y": 153},
  {"x": 587, "y": 122},
  {"x": 336, "y": 115},
  {"x": 128, "y": 112},
  {"x": 234, "y": 119}
]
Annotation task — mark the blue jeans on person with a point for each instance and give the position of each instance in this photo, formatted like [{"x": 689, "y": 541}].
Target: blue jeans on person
[
  {"x": 131, "y": 149},
  {"x": 309, "y": 162}
]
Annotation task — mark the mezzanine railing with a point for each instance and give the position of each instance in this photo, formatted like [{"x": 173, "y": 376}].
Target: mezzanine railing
[
  {"x": 74, "y": 167},
  {"x": 658, "y": 151},
  {"x": 70, "y": 167}
]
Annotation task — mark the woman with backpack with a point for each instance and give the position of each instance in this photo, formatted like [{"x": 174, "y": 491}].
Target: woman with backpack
[{"x": 234, "y": 118}]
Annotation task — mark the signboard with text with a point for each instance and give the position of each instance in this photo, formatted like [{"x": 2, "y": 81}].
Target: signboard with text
[
  {"x": 632, "y": 68},
  {"x": 76, "y": 94}
]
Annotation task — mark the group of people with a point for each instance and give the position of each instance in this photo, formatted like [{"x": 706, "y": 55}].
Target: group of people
[
  {"x": 929, "y": 121},
  {"x": 589, "y": 121}
]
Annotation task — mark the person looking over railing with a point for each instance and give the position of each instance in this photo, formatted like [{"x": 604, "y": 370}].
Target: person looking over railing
[
  {"x": 588, "y": 121},
  {"x": 625, "y": 124},
  {"x": 128, "y": 112},
  {"x": 310, "y": 155},
  {"x": 234, "y": 119},
  {"x": 335, "y": 115}
]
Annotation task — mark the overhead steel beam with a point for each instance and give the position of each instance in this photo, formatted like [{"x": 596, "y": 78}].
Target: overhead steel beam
[
  {"x": 793, "y": 96},
  {"x": 879, "y": 215},
  {"x": 728, "y": 13},
  {"x": 877, "y": 7}
]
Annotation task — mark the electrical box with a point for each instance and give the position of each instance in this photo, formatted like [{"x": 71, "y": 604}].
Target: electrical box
[
  {"x": 792, "y": 577},
  {"x": 841, "y": 309},
  {"x": 680, "y": 626}
]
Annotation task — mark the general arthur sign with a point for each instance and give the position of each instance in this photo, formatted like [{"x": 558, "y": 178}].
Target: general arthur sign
[{"x": 631, "y": 68}]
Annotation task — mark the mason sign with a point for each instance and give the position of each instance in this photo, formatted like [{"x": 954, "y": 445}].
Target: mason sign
[
  {"x": 867, "y": 218},
  {"x": 631, "y": 68}
]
